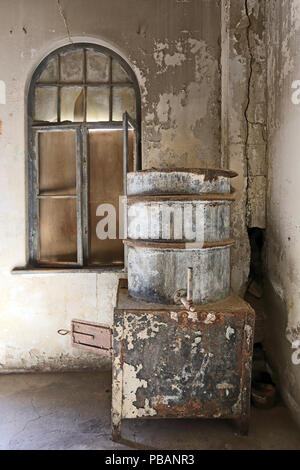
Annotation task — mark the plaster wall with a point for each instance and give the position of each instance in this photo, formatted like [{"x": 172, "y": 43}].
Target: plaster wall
[
  {"x": 283, "y": 215},
  {"x": 243, "y": 119},
  {"x": 174, "y": 48}
]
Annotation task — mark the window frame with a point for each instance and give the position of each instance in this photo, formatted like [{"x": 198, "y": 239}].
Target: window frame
[{"x": 81, "y": 130}]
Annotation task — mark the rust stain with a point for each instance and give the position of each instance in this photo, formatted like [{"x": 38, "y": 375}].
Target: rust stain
[
  {"x": 192, "y": 408},
  {"x": 181, "y": 197},
  {"x": 176, "y": 245},
  {"x": 183, "y": 365}
]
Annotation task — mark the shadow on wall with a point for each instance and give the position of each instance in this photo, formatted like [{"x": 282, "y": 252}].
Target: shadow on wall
[{"x": 255, "y": 287}]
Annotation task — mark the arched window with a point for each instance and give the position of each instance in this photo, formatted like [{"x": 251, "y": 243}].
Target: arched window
[{"x": 77, "y": 99}]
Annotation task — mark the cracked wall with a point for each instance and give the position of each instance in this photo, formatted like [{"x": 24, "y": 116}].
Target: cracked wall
[
  {"x": 198, "y": 98},
  {"x": 243, "y": 123},
  {"x": 255, "y": 115},
  {"x": 283, "y": 216},
  {"x": 174, "y": 49}
]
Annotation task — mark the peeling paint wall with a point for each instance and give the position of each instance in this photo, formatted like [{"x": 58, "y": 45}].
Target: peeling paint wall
[
  {"x": 174, "y": 49},
  {"x": 182, "y": 124},
  {"x": 283, "y": 224},
  {"x": 182, "y": 104},
  {"x": 201, "y": 66}
]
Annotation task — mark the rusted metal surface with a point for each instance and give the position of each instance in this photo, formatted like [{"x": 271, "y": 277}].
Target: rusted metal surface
[
  {"x": 179, "y": 181},
  {"x": 154, "y": 274},
  {"x": 95, "y": 337},
  {"x": 174, "y": 245},
  {"x": 169, "y": 362},
  {"x": 181, "y": 197}
]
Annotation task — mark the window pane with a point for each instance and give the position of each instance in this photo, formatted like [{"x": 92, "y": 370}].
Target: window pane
[
  {"x": 50, "y": 74},
  {"x": 58, "y": 230},
  {"x": 97, "y": 68},
  {"x": 71, "y": 66},
  {"x": 118, "y": 73},
  {"x": 97, "y": 104},
  {"x": 72, "y": 104},
  {"x": 105, "y": 186},
  {"x": 57, "y": 163},
  {"x": 45, "y": 105},
  {"x": 123, "y": 100}
]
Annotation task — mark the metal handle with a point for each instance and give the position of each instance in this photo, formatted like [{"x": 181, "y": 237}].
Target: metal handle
[{"x": 63, "y": 332}]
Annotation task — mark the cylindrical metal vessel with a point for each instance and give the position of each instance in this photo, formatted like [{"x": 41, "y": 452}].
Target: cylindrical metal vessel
[
  {"x": 178, "y": 219},
  {"x": 154, "y": 274}
]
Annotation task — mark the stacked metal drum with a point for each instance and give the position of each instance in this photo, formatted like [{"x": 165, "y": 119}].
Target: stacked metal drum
[{"x": 178, "y": 219}]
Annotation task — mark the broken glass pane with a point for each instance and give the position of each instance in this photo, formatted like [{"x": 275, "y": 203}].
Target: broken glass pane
[
  {"x": 50, "y": 73},
  {"x": 97, "y": 104},
  {"x": 123, "y": 100},
  {"x": 97, "y": 67},
  {"x": 72, "y": 104},
  {"x": 71, "y": 66},
  {"x": 45, "y": 104},
  {"x": 118, "y": 73}
]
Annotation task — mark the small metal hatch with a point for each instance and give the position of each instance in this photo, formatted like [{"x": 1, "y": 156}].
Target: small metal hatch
[{"x": 95, "y": 337}]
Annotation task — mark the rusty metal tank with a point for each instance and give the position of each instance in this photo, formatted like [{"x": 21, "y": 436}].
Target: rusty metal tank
[{"x": 177, "y": 219}]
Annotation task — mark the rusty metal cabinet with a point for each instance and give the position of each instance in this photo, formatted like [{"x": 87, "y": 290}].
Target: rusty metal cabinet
[
  {"x": 168, "y": 362},
  {"x": 173, "y": 363}
]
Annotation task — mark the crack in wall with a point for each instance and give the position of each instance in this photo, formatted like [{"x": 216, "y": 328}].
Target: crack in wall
[
  {"x": 62, "y": 14},
  {"x": 263, "y": 130},
  {"x": 251, "y": 60}
]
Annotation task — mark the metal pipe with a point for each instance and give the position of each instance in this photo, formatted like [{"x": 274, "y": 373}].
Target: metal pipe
[
  {"x": 185, "y": 296},
  {"x": 189, "y": 295}
]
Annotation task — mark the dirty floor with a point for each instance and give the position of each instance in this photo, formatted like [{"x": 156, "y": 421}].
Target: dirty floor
[{"x": 72, "y": 411}]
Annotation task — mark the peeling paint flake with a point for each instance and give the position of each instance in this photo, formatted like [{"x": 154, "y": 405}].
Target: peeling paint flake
[
  {"x": 174, "y": 316},
  {"x": 229, "y": 332},
  {"x": 248, "y": 331},
  {"x": 211, "y": 317},
  {"x": 224, "y": 386},
  {"x": 131, "y": 384}
]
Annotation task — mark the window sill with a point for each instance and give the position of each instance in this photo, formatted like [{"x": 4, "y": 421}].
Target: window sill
[{"x": 57, "y": 270}]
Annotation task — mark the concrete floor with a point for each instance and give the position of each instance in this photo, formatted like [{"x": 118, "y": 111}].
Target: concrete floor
[{"x": 72, "y": 411}]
